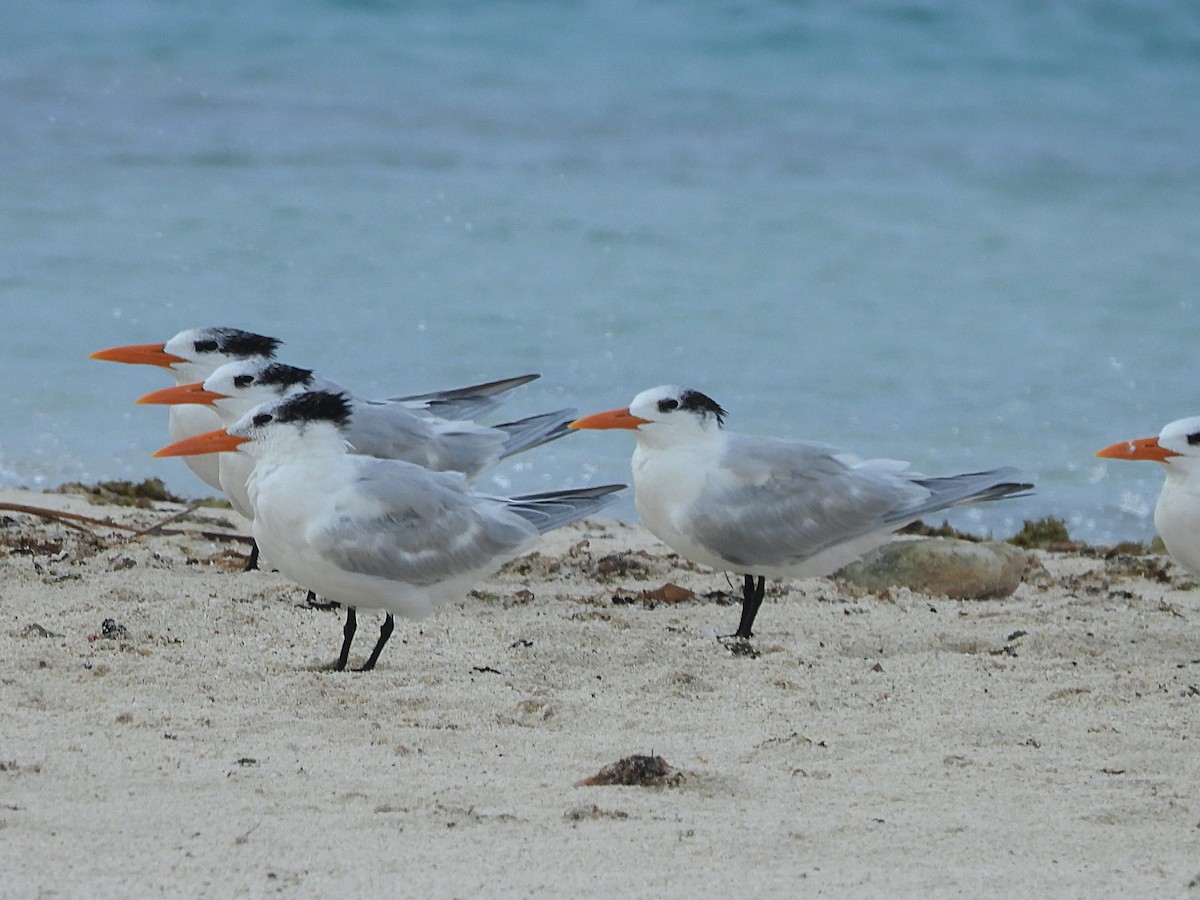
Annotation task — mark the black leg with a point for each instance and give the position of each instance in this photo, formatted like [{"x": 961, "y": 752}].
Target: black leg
[
  {"x": 252, "y": 562},
  {"x": 385, "y": 632},
  {"x": 347, "y": 638},
  {"x": 752, "y": 598}
]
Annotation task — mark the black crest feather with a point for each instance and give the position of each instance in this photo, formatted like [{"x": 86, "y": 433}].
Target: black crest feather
[
  {"x": 281, "y": 373},
  {"x": 314, "y": 406},
  {"x": 240, "y": 344},
  {"x": 694, "y": 401}
]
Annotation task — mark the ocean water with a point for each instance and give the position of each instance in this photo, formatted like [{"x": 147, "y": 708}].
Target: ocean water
[{"x": 964, "y": 234}]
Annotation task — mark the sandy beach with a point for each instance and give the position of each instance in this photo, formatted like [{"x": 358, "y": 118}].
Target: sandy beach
[{"x": 171, "y": 727}]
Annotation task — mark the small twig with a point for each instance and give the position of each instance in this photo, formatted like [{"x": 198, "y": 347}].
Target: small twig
[
  {"x": 167, "y": 521},
  {"x": 70, "y": 520},
  {"x": 243, "y": 838},
  {"x": 218, "y": 536},
  {"x": 66, "y": 518}
]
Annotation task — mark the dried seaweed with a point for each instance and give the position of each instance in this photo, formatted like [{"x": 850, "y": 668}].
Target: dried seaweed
[{"x": 636, "y": 771}]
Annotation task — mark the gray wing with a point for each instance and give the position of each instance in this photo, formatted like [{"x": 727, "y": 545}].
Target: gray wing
[
  {"x": 778, "y": 503},
  {"x": 469, "y": 402},
  {"x": 389, "y": 431},
  {"x": 422, "y": 527}
]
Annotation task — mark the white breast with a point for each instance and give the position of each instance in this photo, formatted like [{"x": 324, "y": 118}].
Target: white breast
[
  {"x": 667, "y": 483},
  {"x": 235, "y": 469},
  {"x": 189, "y": 420},
  {"x": 1177, "y": 518}
]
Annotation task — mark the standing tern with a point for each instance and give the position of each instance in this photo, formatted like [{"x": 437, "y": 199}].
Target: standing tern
[
  {"x": 388, "y": 429},
  {"x": 1177, "y": 512},
  {"x": 764, "y": 506},
  {"x": 376, "y": 533}
]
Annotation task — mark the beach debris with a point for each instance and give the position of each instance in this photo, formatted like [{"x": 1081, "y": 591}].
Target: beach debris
[
  {"x": 34, "y": 545},
  {"x": 1152, "y": 568},
  {"x": 1129, "y": 548},
  {"x": 1049, "y": 533},
  {"x": 143, "y": 494},
  {"x": 636, "y": 771},
  {"x": 961, "y": 570},
  {"x": 668, "y": 593},
  {"x": 33, "y": 629},
  {"x": 945, "y": 530},
  {"x": 227, "y": 558},
  {"x": 585, "y": 811},
  {"x": 80, "y": 522},
  {"x": 111, "y": 630},
  {"x": 121, "y": 493},
  {"x": 628, "y": 564},
  {"x": 739, "y": 646},
  {"x": 529, "y": 713},
  {"x": 11, "y": 765}
]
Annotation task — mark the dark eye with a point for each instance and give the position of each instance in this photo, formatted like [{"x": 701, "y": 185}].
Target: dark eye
[
  {"x": 205, "y": 346},
  {"x": 243, "y": 380},
  {"x": 665, "y": 406},
  {"x": 262, "y": 419},
  {"x": 1194, "y": 438}
]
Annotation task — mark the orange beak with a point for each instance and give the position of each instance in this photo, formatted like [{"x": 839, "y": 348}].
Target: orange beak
[
  {"x": 1142, "y": 448},
  {"x": 183, "y": 393},
  {"x": 139, "y": 354},
  {"x": 613, "y": 418},
  {"x": 219, "y": 441}
]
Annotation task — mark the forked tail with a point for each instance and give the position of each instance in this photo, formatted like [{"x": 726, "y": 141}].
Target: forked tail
[
  {"x": 557, "y": 508},
  {"x": 957, "y": 490},
  {"x": 536, "y": 430}
]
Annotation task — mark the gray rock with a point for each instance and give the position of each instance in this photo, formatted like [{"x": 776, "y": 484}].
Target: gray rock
[{"x": 962, "y": 570}]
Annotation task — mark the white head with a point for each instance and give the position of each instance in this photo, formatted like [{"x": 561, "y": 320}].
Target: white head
[
  {"x": 204, "y": 350},
  {"x": 314, "y": 418},
  {"x": 662, "y": 416},
  {"x": 194, "y": 354},
  {"x": 239, "y": 387}
]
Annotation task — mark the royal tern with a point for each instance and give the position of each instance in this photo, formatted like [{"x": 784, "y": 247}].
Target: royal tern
[
  {"x": 396, "y": 429},
  {"x": 194, "y": 354},
  {"x": 375, "y": 533},
  {"x": 764, "y": 506},
  {"x": 1177, "y": 512},
  {"x": 190, "y": 356}
]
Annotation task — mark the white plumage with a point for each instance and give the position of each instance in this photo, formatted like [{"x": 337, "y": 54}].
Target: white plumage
[{"x": 764, "y": 506}]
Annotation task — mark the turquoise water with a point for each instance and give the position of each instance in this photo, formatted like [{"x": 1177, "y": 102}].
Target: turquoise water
[{"x": 962, "y": 234}]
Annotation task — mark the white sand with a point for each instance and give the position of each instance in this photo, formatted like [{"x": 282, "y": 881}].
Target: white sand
[{"x": 877, "y": 746}]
